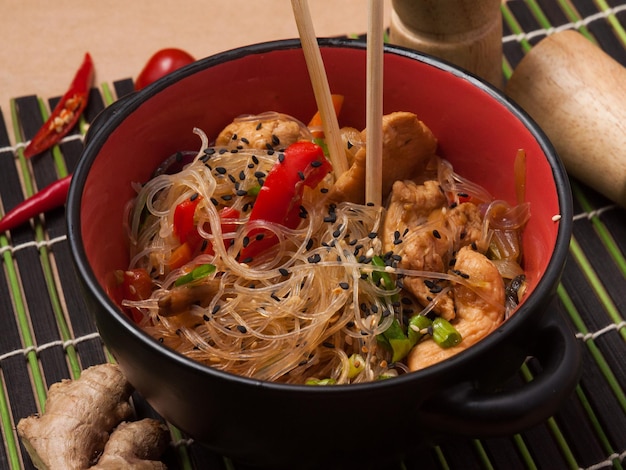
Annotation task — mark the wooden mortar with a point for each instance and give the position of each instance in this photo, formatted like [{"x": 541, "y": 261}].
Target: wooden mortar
[
  {"x": 467, "y": 33},
  {"x": 577, "y": 94}
]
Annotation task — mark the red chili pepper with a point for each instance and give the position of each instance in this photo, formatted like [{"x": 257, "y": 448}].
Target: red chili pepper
[
  {"x": 280, "y": 197},
  {"x": 52, "y": 196},
  {"x": 66, "y": 113}
]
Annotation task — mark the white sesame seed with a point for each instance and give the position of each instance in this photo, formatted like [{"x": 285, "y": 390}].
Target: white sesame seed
[{"x": 556, "y": 218}]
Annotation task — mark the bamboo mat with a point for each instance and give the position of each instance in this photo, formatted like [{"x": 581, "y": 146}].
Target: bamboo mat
[{"x": 46, "y": 332}]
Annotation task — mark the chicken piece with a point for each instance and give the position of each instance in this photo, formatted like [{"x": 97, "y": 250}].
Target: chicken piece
[
  {"x": 410, "y": 205},
  {"x": 267, "y": 132},
  {"x": 426, "y": 232},
  {"x": 408, "y": 145},
  {"x": 480, "y": 309}
]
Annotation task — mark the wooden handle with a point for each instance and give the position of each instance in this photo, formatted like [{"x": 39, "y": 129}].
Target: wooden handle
[
  {"x": 467, "y": 33},
  {"x": 577, "y": 94}
]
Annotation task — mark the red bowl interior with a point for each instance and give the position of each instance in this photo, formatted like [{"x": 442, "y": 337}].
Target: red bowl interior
[{"x": 475, "y": 126}]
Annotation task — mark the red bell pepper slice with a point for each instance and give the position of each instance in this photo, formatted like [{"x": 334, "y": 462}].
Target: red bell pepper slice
[
  {"x": 132, "y": 284},
  {"x": 280, "y": 197},
  {"x": 184, "y": 223},
  {"x": 66, "y": 113},
  {"x": 185, "y": 228}
]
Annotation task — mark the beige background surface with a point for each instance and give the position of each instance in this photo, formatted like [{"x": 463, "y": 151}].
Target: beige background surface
[{"x": 43, "y": 43}]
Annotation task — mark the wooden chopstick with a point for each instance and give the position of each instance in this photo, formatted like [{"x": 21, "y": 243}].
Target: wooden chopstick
[
  {"x": 321, "y": 88},
  {"x": 374, "y": 103}
]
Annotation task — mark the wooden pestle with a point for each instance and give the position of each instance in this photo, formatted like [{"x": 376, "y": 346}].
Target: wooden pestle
[
  {"x": 467, "y": 33},
  {"x": 577, "y": 94}
]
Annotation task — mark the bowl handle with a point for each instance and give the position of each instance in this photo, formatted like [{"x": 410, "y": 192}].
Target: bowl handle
[{"x": 467, "y": 410}]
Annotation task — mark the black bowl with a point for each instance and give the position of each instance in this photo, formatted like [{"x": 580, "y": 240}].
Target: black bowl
[{"x": 290, "y": 426}]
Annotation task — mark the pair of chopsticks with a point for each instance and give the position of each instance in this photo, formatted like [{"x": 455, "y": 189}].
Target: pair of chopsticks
[{"x": 374, "y": 98}]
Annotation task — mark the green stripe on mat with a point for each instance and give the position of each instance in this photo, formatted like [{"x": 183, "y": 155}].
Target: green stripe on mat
[
  {"x": 601, "y": 362},
  {"x": 5, "y": 411},
  {"x": 601, "y": 229},
  {"x": 596, "y": 283},
  {"x": 22, "y": 315},
  {"x": 44, "y": 254}
]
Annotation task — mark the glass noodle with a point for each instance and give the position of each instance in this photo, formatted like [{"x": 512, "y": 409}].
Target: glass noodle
[{"x": 306, "y": 308}]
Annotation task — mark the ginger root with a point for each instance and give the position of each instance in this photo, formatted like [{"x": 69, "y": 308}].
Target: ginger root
[
  {"x": 78, "y": 419},
  {"x": 135, "y": 445}
]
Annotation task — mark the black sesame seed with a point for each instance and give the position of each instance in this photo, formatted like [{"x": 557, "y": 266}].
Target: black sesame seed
[
  {"x": 244, "y": 140},
  {"x": 462, "y": 194},
  {"x": 209, "y": 151},
  {"x": 283, "y": 271},
  {"x": 328, "y": 344},
  {"x": 227, "y": 197},
  {"x": 259, "y": 236},
  {"x": 234, "y": 137},
  {"x": 242, "y": 329},
  {"x": 436, "y": 234},
  {"x": 309, "y": 244},
  {"x": 281, "y": 157},
  {"x": 372, "y": 235},
  {"x": 259, "y": 174},
  {"x": 275, "y": 140},
  {"x": 193, "y": 197},
  {"x": 344, "y": 285},
  {"x": 350, "y": 145},
  {"x": 235, "y": 150},
  {"x": 241, "y": 192},
  {"x": 324, "y": 190},
  {"x": 301, "y": 175},
  {"x": 245, "y": 241},
  {"x": 275, "y": 297},
  {"x": 453, "y": 205},
  {"x": 216, "y": 309},
  {"x": 396, "y": 235},
  {"x": 215, "y": 201},
  {"x": 259, "y": 125},
  {"x": 316, "y": 163},
  {"x": 316, "y": 258},
  {"x": 474, "y": 246},
  {"x": 221, "y": 170},
  {"x": 337, "y": 233},
  {"x": 255, "y": 159},
  {"x": 206, "y": 317},
  {"x": 247, "y": 260},
  {"x": 242, "y": 175},
  {"x": 222, "y": 151},
  {"x": 397, "y": 241}
]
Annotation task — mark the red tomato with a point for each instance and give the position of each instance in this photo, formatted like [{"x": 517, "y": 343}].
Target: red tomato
[{"x": 160, "y": 64}]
